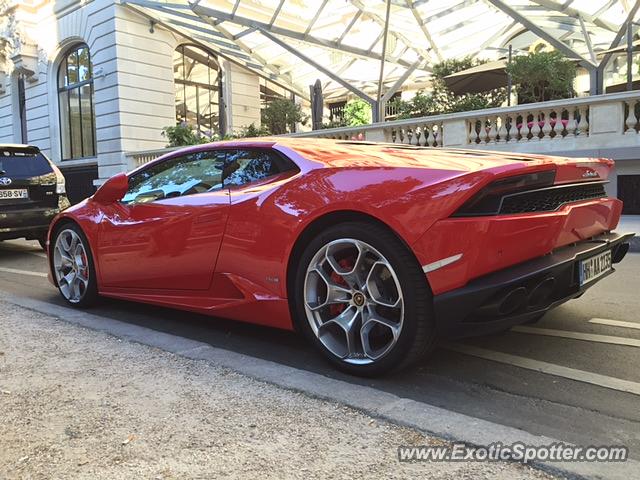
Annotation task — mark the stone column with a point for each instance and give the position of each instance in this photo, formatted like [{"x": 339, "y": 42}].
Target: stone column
[
  {"x": 606, "y": 122},
  {"x": 454, "y": 133}
]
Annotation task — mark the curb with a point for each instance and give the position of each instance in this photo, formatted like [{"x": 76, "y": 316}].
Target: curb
[{"x": 432, "y": 420}]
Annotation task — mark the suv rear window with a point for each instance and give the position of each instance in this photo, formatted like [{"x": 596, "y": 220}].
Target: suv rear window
[{"x": 23, "y": 163}]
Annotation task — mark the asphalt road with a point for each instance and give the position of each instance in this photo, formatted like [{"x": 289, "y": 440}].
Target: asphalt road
[{"x": 582, "y": 390}]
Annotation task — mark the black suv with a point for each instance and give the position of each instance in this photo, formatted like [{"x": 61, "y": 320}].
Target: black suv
[{"x": 32, "y": 192}]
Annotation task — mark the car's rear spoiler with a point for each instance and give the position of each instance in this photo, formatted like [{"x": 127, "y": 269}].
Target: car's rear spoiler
[{"x": 8, "y": 150}]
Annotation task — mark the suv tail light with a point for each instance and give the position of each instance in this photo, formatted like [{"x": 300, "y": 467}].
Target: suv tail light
[
  {"x": 60, "y": 181},
  {"x": 60, "y": 185}
]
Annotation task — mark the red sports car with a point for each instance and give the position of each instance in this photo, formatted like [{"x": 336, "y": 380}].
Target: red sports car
[{"x": 374, "y": 251}]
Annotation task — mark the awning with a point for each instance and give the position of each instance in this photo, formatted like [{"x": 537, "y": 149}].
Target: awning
[
  {"x": 339, "y": 42},
  {"x": 479, "y": 79},
  {"x": 622, "y": 87}
]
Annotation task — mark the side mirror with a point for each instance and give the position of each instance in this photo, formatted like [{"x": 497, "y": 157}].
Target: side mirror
[{"x": 112, "y": 190}]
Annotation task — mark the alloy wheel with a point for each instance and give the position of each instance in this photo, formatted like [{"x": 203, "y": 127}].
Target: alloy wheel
[
  {"x": 71, "y": 266},
  {"x": 353, "y": 301}
]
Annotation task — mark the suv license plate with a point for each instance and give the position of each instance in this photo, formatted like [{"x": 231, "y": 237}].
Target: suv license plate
[
  {"x": 14, "y": 193},
  {"x": 594, "y": 267}
]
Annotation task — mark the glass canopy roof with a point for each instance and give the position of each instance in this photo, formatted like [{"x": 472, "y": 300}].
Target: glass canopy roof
[{"x": 340, "y": 42}]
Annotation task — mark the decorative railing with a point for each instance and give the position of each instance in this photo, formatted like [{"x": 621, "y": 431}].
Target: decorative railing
[
  {"x": 425, "y": 132},
  {"x": 531, "y": 125},
  {"x": 391, "y": 110},
  {"x": 135, "y": 159},
  {"x": 587, "y": 123},
  {"x": 632, "y": 116},
  {"x": 336, "y": 111}
]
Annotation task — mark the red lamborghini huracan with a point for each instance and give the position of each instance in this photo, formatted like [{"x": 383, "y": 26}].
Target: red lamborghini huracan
[{"x": 372, "y": 250}]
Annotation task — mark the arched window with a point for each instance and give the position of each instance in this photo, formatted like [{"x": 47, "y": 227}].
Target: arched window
[
  {"x": 197, "y": 81},
  {"x": 75, "y": 97}
]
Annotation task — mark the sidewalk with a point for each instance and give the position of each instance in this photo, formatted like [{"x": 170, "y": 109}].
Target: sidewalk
[{"x": 77, "y": 403}]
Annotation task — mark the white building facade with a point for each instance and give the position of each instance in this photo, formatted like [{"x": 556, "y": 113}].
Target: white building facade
[
  {"x": 88, "y": 81},
  {"x": 93, "y": 83}
]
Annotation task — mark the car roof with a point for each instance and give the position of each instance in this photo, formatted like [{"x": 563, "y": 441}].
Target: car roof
[
  {"x": 18, "y": 146},
  {"x": 365, "y": 154},
  {"x": 330, "y": 153}
]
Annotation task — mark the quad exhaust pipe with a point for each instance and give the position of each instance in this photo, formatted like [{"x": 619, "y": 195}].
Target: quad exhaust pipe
[
  {"x": 619, "y": 252},
  {"x": 519, "y": 297},
  {"x": 512, "y": 301}
]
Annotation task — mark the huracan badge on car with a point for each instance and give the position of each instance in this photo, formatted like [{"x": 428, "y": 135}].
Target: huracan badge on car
[{"x": 373, "y": 251}]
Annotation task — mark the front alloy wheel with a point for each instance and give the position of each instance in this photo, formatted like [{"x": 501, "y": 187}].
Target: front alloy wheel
[
  {"x": 362, "y": 299},
  {"x": 72, "y": 266}
]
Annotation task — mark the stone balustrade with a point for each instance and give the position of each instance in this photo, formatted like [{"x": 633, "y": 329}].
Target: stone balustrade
[
  {"x": 424, "y": 132},
  {"x": 597, "y": 125},
  {"x": 135, "y": 159},
  {"x": 532, "y": 125},
  {"x": 584, "y": 123}
]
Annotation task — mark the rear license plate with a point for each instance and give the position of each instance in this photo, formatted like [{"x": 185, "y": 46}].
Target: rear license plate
[
  {"x": 14, "y": 193},
  {"x": 594, "y": 267}
]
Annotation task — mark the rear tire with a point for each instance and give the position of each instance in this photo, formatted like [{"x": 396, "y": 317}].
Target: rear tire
[
  {"x": 72, "y": 266},
  {"x": 361, "y": 298}
]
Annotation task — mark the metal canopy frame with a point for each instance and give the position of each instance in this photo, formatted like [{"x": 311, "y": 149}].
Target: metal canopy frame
[
  {"x": 294, "y": 42},
  {"x": 538, "y": 30}
]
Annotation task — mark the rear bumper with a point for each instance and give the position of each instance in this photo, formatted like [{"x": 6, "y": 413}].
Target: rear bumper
[
  {"x": 495, "y": 242},
  {"x": 25, "y": 222},
  {"x": 541, "y": 284}
]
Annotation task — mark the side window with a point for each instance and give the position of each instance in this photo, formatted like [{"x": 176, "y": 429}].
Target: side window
[
  {"x": 196, "y": 173},
  {"x": 245, "y": 166}
]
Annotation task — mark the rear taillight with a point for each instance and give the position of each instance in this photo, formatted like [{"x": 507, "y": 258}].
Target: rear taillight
[
  {"x": 60, "y": 181},
  {"x": 487, "y": 201},
  {"x": 60, "y": 185}
]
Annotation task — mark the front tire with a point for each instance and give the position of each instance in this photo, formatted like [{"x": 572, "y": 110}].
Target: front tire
[
  {"x": 362, "y": 299},
  {"x": 72, "y": 266}
]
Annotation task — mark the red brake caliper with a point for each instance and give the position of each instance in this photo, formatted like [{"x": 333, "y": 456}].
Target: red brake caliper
[
  {"x": 84, "y": 263},
  {"x": 346, "y": 264}
]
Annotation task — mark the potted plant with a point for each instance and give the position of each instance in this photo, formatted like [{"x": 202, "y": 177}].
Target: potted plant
[
  {"x": 542, "y": 76},
  {"x": 281, "y": 115}
]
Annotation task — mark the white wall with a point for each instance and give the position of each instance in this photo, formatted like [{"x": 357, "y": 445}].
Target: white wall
[
  {"x": 245, "y": 97},
  {"x": 133, "y": 98},
  {"x": 6, "y": 115},
  {"x": 142, "y": 87},
  {"x": 134, "y": 93},
  {"x": 146, "y": 89},
  {"x": 37, "y": 110},
  {"x": 56, "y": 27}
]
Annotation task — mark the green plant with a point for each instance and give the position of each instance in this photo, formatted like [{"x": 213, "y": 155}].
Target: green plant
[
  {"x": 542, "y": 76},
  {"x": 421, "y": 105},
  {"x": 250, "y": 132},
  {"x": 442, "y": 100},
  {"x": 357, "y": 112},
  {"x": 183, "y": 134},
  {"x": 281, "y": 115}
]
